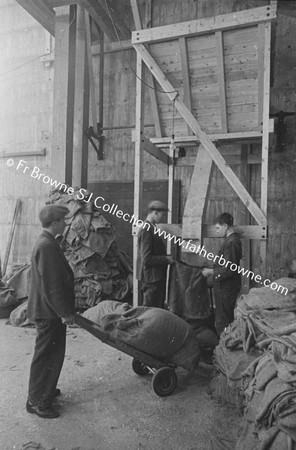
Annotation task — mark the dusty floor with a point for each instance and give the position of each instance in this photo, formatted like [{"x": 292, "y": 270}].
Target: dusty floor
[{"x": 104, "y": 406}]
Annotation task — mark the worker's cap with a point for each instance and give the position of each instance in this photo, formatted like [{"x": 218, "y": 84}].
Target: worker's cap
[
  {"x": 50, "y": 213},
  {"x": 157, "y": 205}
]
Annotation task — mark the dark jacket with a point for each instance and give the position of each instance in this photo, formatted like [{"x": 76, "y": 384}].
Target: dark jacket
[
  {"x": 231, "y": 251},
  {"x": 152, "y": 262},
  {"x": 51, "y": 291}
]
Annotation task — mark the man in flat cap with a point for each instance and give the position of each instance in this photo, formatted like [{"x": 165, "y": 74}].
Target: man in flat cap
[
  {"x": 51, "y": 308},
  {"x": 152, "y": 258}
]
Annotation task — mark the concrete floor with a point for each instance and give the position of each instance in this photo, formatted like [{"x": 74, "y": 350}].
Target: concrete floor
[{"x": 105, "y": 405}]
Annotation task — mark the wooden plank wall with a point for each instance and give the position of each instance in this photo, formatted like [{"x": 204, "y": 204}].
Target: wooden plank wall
[{"x": 239, "y": 53}]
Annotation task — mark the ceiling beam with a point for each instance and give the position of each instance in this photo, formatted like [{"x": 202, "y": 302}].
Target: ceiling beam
[
  {"x": 100, "y": 16},
  {"x": 42, "y": 12},
  {"x": 57, "y": 3}
]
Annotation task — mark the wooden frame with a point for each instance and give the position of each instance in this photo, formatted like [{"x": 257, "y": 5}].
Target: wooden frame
[
  {"x": 193, "y": 227},
  {"x": 206, "y": 25},
  {"x": 138, "y": 186},
  {"x": 203, "y": 137}
]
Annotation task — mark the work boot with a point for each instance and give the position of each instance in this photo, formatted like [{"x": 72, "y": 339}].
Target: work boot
[{"x": 44, "y": 413}]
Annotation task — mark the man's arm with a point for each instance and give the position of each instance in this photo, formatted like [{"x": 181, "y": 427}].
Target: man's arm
[{"x": 148, "y": 258}]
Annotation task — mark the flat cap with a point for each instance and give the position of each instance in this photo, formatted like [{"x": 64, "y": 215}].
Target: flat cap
[
  {"x": 157, "y": 205},
  {"x": 50, "y": 213}
]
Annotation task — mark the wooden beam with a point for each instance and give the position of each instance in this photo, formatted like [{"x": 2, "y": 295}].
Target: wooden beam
[
  {"x": 100, "y": 16},
  {"x": 155, "y": 151},
  {"x": 203, "y": 137},
  {"x": 93, "y": 98},
  {"x": 85, "y": 124},
  {"x": 148, "y": 14},
  {"x": 193, "y": 140},
  {"x": 209, "y": 231},
  {"x": 266, "y": 101},
  {"x": 221, "y": 80},
  {"x": 197, "y": 198},
  {"x": 265, "y": 138},
  {"x": 79, "y": 97},
  {"x": 42, "y": 12},
  {"x": 101, "y": 81},
  {"x": 71, "y": 81},
  {"x": 57, "y": 3},
  {"x": 232, "y": 160},
  {"x": 138, "y": 177},
  {"x": 205, "y": 25},
  {"x": 170, "y": 193},
  {"x": 149, "y": 78},
  {"x": 63, "y": 92},
  {"x": 186, "y": 76},
  {"x": 261, "y": 33},
  {"x": 136, "y": 14},
  {"x": 243, "y": 214}
]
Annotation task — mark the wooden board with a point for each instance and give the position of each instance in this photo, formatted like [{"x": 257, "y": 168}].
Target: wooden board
[{"x": 205, "y": 25}]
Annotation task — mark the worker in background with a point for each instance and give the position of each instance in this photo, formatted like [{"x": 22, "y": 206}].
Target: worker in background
[
  {"x": 227, "y": 283},
  {"x": 152, "y": 258},
  {"x": 51, "y": 308}
]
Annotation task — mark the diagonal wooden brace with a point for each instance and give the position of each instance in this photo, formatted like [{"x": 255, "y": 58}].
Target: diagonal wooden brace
[{"x": 233, "y": 180}]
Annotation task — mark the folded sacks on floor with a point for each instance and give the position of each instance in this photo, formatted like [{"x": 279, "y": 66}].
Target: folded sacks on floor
[
  {"x": 154, "y": 331},
  {"x": 265, "y": 325}
]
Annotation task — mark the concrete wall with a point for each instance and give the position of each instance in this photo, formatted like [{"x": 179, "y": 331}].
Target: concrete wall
[{"x": 26, "y": 88}]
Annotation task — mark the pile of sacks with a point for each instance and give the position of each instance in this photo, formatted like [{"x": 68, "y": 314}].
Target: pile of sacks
[
  {"x": 100, "y": 270},
  {"x": 256, "y": 358}
]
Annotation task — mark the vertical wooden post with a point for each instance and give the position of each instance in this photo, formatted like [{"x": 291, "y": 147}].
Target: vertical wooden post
[
  {"x": 244, "y": 215},
  {"x": 138, "y": 183},
  {"x": 186, "y": 77},
  {"x": 63, "y": 96},
  {"x": 93, "y": 99},
  {"x": 221, "y": 80},
  {"x": 149, "y": 78},
  {"x": 84, "y": 159},
  {"x": 170, "y": 193},
  {"x": 101, "y": 88},
  {"x": 71, "y": 95},
  {"x": 265, "y": 137},
  {"x": 79, "y": 110}
]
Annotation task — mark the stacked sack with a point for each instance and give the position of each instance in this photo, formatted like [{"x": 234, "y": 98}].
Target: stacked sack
[
  {"x": 261, "y": 346},
  {"x": 100, "y": 270}
]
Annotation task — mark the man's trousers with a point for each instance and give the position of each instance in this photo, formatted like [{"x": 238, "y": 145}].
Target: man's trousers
[
  {"x": 47, "y": 361},
  {"x": 225, "y": 302},
  {"x": 154, "y": 293}
]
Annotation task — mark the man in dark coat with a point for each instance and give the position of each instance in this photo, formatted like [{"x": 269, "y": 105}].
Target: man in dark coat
[
  {"x": 227, "y": 282},
  {"x": 152, "y": 258},
  {"x": 51, "y": 307}
]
